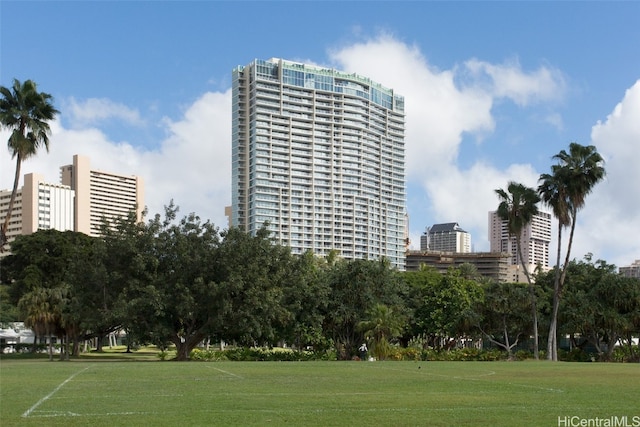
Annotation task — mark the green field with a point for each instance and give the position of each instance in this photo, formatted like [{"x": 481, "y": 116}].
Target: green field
[{"x": 153, "y": 393}]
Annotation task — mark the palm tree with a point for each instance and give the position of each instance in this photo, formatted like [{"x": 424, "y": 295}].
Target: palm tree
[
  {"x": 40, "y": 314},
  {"x": 518, "y": 206},
  {"x": 383, "y": 325},
  {"x": 554, "y": 193},
  {"x": 565, "y": 190},
  {"x": 25, "y": 112}
]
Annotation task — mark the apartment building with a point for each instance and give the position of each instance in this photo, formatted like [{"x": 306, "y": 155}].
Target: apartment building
[
  {"x": 535, "y": 239},
  {"x": 78, "y": 203},
  {"x": 38, "y": 205},
  {"x": 318, "y": 155},
  {"x": 447, "y": 237},
  {"x": 100, "y": 194},
  {"x": 632, "y": 270}
]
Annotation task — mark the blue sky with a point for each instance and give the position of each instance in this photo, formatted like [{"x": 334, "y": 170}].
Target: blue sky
[{"x": 492, "y": 89}]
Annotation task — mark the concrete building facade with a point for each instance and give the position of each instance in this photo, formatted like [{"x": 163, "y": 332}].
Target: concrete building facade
[
  {"x": 77, "y": 204},
  {"x": 100, "y": 194},
  {"x": 447, "y": 237},
  {"x": 494, "y": 266},
  {"x": 535, "y": 239},
  {"x": 39, "y": 205},
  {"x": 319, "y": 155},
  {"x": 632, "y": 270}
]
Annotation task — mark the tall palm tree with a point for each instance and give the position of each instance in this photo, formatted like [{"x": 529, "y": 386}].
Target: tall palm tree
[
  {"x": 518, "y": 206},
  {"x": 565, "y": 190},
  {"x": 25, "y": 112},
  {"x": 553, "y": 191}
]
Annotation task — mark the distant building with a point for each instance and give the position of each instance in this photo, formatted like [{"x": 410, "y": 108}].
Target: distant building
[
  {"x": 632, "y": 270},
  {"x": 494, "y": 266},
  {"x": 38, "y": 205},
  {"x": 535, "y": 239},
  {"x": 448, "y": 237},
  {"x": 79, "y": 203},
  {"x": 101, "y": 194},
  {"x": 319, "y": 155}
]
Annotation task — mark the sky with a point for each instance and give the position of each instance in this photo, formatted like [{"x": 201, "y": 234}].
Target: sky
[{"x": 493, "y": 90}]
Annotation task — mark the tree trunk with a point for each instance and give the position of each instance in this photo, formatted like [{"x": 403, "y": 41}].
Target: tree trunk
[
  {"x": 185, "y": 345},
  {"x": 534, "y": 306},
  {"x": 5, "y": 225},
  {"x": 552, "y": 341},
  {"x": 563, "y": 275}
]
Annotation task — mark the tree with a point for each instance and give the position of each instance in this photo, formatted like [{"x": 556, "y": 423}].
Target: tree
[
  {"x": 39, "y": 272},
  {"x": 356, "y": 286},
  {"x": 565, "y": 190},
  {"x": 381, "y": 326},
  {"x": 518, "y": 206},
  {"x": 24, "y": 112},
  {"x": 253, "y": 274},
  {"x": 184, "y": 281},
  {"x": 501, "y": 315},
  {"x": 600, "y": 306},
  {"x": 305, "y": 298},
  {"x": 442, "y": 305}
]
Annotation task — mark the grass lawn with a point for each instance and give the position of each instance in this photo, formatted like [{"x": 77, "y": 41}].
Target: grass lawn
[{"x": 96, "y": 392}]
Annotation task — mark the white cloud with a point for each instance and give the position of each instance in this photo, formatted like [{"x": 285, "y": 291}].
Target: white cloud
[
  {"x": 98, "y": 110},
  {"x": 192, "y": 165},
  {"x": 609, "y": 224},
  {"x": 437, "y": 112},
  {"x": 508, "y": 80}
]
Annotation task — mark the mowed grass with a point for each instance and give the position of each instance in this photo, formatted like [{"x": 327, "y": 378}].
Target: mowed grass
[{"x": 154, "y": 393}]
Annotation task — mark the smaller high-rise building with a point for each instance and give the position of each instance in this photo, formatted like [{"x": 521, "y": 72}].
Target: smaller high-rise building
[
  {"x": 100, "y": 194},
  {"x": 79, "y": 203},
  {"x": 447, "y": 237},
  {"x": 535, "y": 239},
  {"x": 38, "y": 205}
]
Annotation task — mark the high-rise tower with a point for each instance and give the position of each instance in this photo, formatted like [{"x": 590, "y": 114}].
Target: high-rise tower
[
  {"x": 318, "y": 154},
  {"x": 535, "y": 239},
  {"x": 100, "y": 194}
]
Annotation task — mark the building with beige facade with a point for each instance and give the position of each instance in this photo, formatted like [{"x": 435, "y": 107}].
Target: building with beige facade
[
  {"x": 535, "y": 239},
  {"x": 78, "y": 203},
  {"x": 632, "y": 270},
  {"x": 100, "y": 194},
  {"x": 494, "y": 266},
  {"x": 39, "y": 205}
]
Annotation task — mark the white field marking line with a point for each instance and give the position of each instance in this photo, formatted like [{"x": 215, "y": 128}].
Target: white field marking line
[
  {"x": 41, "y": 401},
  {"x": 53, "y": 414},
  {"x": 225, "y": 372},
  {"x": 478, "y": 378}
]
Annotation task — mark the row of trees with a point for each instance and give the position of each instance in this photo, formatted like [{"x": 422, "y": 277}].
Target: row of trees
[
  {"x": 128, "y": 268},
  {"x": 182, "y": 282}
]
